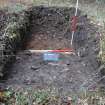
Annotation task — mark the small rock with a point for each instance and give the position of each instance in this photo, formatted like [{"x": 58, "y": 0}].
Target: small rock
[
  {"x": 34, "y": 68},
  {"x": 82, "y": 52},
  {"x": 84, "y": 64},
  {"x": 33, "y": 81},
  {"x": 67, "y": 62},
  {"x": 96, "y": 50},
  {"x": 28, "y": 53},
  {"x": 27, "y": 81},
  {"x": 43, "y": 63},
  {"x": 53, "y": 64},
  {"x": 64, "y": 99},
  {"x": 18, "y": 58},
  {"x": 69, "y": 98},
  {"x": 34, "y": 103}
]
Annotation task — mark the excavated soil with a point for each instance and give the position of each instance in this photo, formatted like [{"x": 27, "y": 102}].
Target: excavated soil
[{"x": 49, "y": 30}]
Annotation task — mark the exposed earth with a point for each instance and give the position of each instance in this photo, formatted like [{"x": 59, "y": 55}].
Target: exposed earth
[{"x": 49, "y": 30}]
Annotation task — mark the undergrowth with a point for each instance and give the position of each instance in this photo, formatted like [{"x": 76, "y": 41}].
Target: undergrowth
[
  {"x": 15, "y": 8},
  {"x": 29, "y": 96},
  {"x": 102, "y": 49}
]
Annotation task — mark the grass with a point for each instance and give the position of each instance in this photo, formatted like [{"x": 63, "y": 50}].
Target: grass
[
  {"x": 97, "y": 13},
  {"x": 30, "y": 96},
  {"x": 16, "y": 8},
  {"x": 102, "y": 48}
]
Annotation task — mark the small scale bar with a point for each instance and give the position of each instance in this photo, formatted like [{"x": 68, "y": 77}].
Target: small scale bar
[{"x": 65, "y": 51}]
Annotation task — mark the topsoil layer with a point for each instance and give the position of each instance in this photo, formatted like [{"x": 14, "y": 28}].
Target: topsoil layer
[{"x": 50, "y": 29}]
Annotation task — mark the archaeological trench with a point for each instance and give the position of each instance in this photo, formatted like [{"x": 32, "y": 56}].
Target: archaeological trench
[{"x": 39, "y": 28}]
